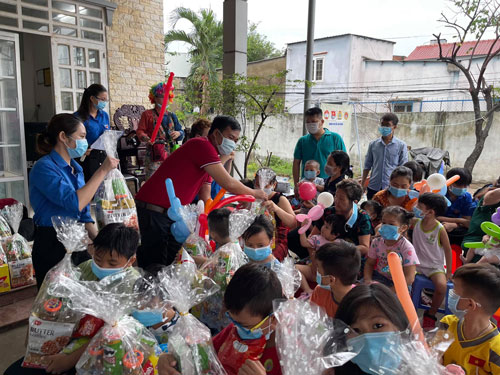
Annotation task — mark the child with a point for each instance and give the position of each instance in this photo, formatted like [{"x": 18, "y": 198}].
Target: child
[
  {"x": 397, "y": 193},
  {"x": 258, "y": 238},
  {"x": 375, "y": 313},
  {"x": 311, "y": 173},
  {"x": 374, "y": 209},
  {"x": 338, "y": 266},
  {"x": 332, "y": 227},
  {"x": 395, "y": 222},
  {"x": 249, "y": 300},
  {"x": 473, "y": 301},
  {"x": 416, "y": 169},
  {"x": 218, "y": 226},
  {"x": 432, "y": 245}
]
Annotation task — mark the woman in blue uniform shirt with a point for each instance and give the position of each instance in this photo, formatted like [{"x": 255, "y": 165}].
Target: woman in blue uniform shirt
[
  {"x": 57, "y": 187},
  {"x": 96, "y": 121}
]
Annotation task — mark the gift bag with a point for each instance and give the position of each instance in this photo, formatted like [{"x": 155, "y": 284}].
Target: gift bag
[
  {"x": 221, "y": 266},
  {"x": 16, "y": 248},
  {"x": 190, "y": 341},
  {"x": 289, "y": 276},
  {"x": 194, "y": 244},
  {"x": 114, "y": 203},
  {"x": 123, "y": 345},
  {"x": 52, "y": 321}
]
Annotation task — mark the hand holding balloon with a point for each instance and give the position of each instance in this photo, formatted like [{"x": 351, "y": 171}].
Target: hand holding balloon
[{"x": 307, "y": 191}]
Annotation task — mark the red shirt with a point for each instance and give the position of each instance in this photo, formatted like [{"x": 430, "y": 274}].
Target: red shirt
[
  {"x": 269, "y": 358},
  {"x": 185, "y": 168}
]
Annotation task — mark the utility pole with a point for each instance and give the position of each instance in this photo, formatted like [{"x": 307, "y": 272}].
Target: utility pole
[{"x": 309, "y": 59}]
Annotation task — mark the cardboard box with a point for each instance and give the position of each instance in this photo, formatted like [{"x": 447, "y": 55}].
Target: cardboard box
[{"x": 4, "y": 278}]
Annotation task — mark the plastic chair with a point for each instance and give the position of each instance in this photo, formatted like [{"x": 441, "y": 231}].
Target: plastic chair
[
  {"x": 421, "y": 282},
  {"x": 456, "y": 261}
]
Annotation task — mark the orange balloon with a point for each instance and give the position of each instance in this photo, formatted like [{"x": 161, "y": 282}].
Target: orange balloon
[
  {"x": 420, "y": 184},
  {"x": 425, "y": 189},
  {"x": 219, "y": 196},
  {"x": 453, "y": 179},
  {"x": 208, "y": 205},
  {"x": 399, "y": 280}
]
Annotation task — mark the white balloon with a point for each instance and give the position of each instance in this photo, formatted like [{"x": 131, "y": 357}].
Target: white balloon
[
  {"x": 325, "y": 199},
  {"x": 436, "y": 181}
]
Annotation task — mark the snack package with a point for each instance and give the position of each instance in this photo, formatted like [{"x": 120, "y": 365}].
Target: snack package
[
  {"x": 307, "y": 340},
  {"x": 4, "y": 278},
  {"x": 123, "y": 345},
  {"x": 190, "y": 341},
  {"x": 52, "y": 321},
  {"x": 114, "y": 203},
  {"x": 194, "y": 244},
  {"x": 4, "y": 228},
  {"x": 221, "y": 266},
  {"x": 289, "y": 276}
]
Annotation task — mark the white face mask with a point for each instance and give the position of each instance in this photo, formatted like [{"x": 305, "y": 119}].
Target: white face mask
[{"x": 312, "y": 127}]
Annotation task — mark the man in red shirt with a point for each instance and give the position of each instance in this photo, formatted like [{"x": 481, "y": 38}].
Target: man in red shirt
[{"x": 190, "y": 167}]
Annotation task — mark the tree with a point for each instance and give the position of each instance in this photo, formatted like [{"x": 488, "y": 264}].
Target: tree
[
  {"x": 258, "y": 47},
  {"x": 251, "y": 97},
  {"x": 474, "y": 18},
  {"x": 205, "y": 41}
]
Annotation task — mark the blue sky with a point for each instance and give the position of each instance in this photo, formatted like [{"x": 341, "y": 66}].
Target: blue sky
[{"x": 407, "y": 22}]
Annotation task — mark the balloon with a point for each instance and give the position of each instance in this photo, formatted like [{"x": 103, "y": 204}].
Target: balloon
[
  {"x": 401, "y": 287},
  {"x": 203, "y": 219},
  {"x": 163, "y": 107},
  {"x": 175, "y": 203},
  {"x": 219, "y": 196},
  {"x": 496, "y": 217},
  {"x": 491, "y": 229},
  {"x": 180, "y": 231},
  {"x": 208, "y": 205},
  {"x": 425, "y": 189},
  {"x": 419, "y": 185},
  {"x": 314, "y": 214},
  {"x": 452, "y": 180},
  {"x": 325, "y": 199},
  {"x": 307, "y": 191},
  {"x": 236, "y": 198},
  {"x": 436, "y": 181}
]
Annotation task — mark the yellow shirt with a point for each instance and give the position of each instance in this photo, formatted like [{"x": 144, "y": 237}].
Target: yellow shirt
[{"x": 480, "y": 356}]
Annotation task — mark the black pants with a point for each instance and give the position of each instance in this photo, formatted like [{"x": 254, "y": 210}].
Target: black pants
[
  {"x": 92, "y": 163},
  {"x": 370, "y": 193},
  {"x": 48, "y": 251},
  {"x": 456, "y": 236},
  {"x": 158, "y": 245},
  {"x": 294, "y": 245},
  {"x": 16, "y": 369}
]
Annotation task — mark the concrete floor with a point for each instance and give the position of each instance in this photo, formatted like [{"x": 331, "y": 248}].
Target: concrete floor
[{"x": 12, "y": 345}]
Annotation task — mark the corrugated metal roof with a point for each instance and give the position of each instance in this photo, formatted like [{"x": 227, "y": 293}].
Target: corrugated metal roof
[{"x": 430, "y": 52}]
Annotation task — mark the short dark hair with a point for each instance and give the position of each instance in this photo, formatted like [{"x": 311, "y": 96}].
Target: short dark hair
[
  {"x": 340, "y": 259},
  {"x": 416, "y": 169},
  {"x": 221, "y": 123},
  {"x": 482, "y": 280},
  {"x": 261, "y": 224},
  {"x": 218, "y": 221},
  {"x": 352, "y": 188},
  {"x": 435, "y": 202},
  {"x": 372, "y": 295},
  {"x": 314, "y": 111},
  {"x": 337, "y": 222},
  {"x": 248, "y": 183},
  {"x": 254, "y": 287},
  {"x": 403, "y": 216},
  {"x": 117, "y": 237},
  {"x": 374, "y": 205},
  {"x": 465, "y": 176},
  {"x": 402, "y": 171},
  {"x": 389, "y": 117},
  {"x": 341, "y": 158}
]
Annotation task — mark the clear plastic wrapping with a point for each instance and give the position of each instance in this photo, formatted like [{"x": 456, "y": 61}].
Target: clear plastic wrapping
[
  {"x": 308, "y": 341},
  {"x": 123, "y": 345},
  {"x": 194, "y": 244},
  {"x": 289, "y": 276},
  {"x": 114, "y": 202},
  {"x": 190, "y": 341},
  {"x": 52, "y": 321}
]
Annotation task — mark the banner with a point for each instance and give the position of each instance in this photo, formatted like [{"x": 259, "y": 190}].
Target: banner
[{"x": 338, "y": 120}]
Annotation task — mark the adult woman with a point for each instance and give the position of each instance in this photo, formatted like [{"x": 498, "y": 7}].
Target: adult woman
[
  {"x": 96, "y": 121},
  {"x": 169, "y": 133},
  {"x": 397, "y": 192},
  {"x": 57, "y": 187},
  {"x": 200, "y": 128},
  {"x": 337, "y": 167},
  {"x": 280, "y": 207}
]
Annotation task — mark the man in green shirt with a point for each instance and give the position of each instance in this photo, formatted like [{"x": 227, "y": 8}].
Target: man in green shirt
[{"x": 316, "y": 145}]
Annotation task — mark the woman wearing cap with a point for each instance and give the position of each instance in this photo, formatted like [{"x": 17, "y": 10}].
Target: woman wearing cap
[
  {"x": 169, "y": 134},
  {"x": 96, "y": 121}
]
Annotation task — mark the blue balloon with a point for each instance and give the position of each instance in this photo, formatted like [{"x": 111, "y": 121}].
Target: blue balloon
[
  {"x": 178, "y": 228},
  {"x": 180, "y": 231},
  {"x": 443, "y": 190}
]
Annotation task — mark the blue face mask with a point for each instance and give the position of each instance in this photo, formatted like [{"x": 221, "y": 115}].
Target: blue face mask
[
  {"x": 377, "y": 352},
  {"x": 148, "y": 318},
  {"x": 389, "y": 232},
  {"x": 354, "y": 216},
  {"x": 257, "y": 255},
  {"x": 80, "y": 149},
  {"x": 247, "y": 334},
  {"x": 385, "y": 130},
  {"x": 101, "y": 273},
  {"x": 319, "y": 278},
  {"x": 227, "y": 146},
  {"x": 101, "y": 105},
  {"x": 398, "y": 193},
  {"x": 453, "y": 300},
  {"x": 418, "y": 213},
  {"x": 310, "y": 175},
  {"x": 458, "y": 191}
]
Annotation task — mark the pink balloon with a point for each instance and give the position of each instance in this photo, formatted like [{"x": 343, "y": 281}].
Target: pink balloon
[
  {"x": 304, "y": 229},
  {"x": 316, "y": 213},
  {"x": 301, "y": 217},
  {"x": 307, "y": 191}
]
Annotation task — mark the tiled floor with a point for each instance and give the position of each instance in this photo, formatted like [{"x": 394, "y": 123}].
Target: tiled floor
[{"x": 12, "y": 345}]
